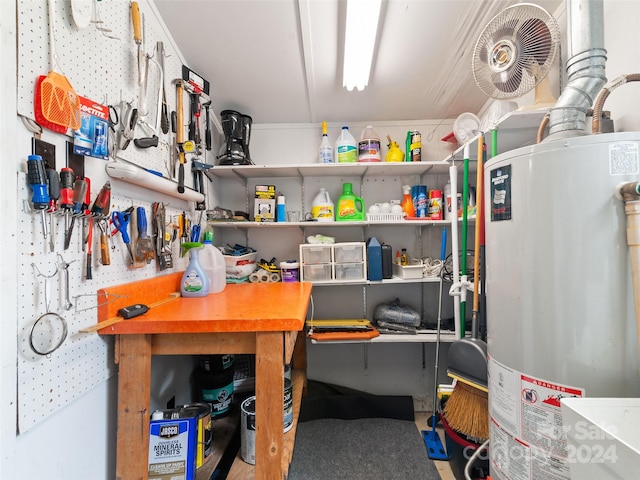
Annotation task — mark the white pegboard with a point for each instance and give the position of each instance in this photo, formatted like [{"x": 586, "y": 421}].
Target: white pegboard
[
  {"x": 99, "y": 65},
  {"x": 105, "y": 70},
  {"x": 47, "y": 383}
]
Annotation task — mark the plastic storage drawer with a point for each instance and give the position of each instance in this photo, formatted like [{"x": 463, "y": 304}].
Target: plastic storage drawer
[
  {"x": 349, "y": 252},
  {"x": 315, "y": 254},
  {"x": 349, "y": 271},
  {"x": 316, "y": 273}
]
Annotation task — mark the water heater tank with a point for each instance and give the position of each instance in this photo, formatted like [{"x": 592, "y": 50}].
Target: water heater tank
[{"x": 560, "y": 317}]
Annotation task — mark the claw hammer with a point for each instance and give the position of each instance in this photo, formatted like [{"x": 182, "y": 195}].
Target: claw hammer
[{"x": 180, "y": 132}]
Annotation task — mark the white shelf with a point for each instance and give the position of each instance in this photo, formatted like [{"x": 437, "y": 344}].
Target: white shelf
[
  {"x": 332, "y": 170},
  {"x": 404, "y": 223},
  {"x": 333, "y": 283}
]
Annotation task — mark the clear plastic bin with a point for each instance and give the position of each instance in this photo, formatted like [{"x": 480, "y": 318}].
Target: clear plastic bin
[
  {"x": 316, "y": 273},
  {"x": 314, "y": 254},
  {"x": 349, "y": 271},
  {"x": 353, "y": 252}
]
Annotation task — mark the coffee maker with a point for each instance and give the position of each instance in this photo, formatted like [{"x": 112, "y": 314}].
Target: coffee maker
[{"x": 237, "y": 130}]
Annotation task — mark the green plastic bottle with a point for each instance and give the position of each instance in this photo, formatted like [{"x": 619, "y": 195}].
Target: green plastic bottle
[{"x": 350, "y": 207}]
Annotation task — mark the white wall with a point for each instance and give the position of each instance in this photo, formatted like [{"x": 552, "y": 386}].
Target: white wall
[{"x": 77, "y": 442}]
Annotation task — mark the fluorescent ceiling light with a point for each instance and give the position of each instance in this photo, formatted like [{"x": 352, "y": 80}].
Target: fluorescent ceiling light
[{"x": 359, "y": 41}]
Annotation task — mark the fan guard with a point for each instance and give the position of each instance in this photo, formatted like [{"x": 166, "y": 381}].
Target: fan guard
[{"x": 515, "y": 51}]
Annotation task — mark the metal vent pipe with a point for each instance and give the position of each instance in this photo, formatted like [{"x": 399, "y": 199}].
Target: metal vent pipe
[{"x": 585, "y": 68}]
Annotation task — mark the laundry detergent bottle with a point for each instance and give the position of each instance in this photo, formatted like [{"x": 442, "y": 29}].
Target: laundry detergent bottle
[
  {"x": 212, "y": 261},
  {"x": 350, "y": 207},
  {"x": 195, "y": 282}
]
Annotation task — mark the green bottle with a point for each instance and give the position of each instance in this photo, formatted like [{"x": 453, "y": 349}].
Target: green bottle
[{"x": 350, "y": 207}]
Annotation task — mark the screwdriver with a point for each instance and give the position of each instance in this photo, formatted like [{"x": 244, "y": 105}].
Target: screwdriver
[
  {"x": 105, "y": 257},
  {"x": 85, "y": 210},
  {"x": 38, "y": 183},
  {"x": 102, "y": 203},
  {"x": 54, "y": 194},
  {"x": 66, "y": 193},
  {"x": 79, "y": 193}
]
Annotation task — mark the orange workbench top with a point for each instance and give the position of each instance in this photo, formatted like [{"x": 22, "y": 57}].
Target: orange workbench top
[{"x": 246, "y": 307}]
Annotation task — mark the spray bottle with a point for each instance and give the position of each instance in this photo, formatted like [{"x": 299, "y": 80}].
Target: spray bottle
[
  {"x": 326, "y": 150},
  {"x": 195, "y": 282}
]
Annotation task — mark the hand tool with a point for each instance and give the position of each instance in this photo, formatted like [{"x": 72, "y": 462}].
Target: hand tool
[
  {"x": 137, "y": 37},
  {"x": 38, "y": 182},
  {"x": 88, "y": 275},
  {"x": 175, "y": 149},
  {"x": 199, "y": 171},
  {"x": 144, "y": 247},
  {"x": 207, "y": 127},
  {"x": 120, "y": 317},
  {"x": 66, "y": 194},
  {"x": 114, "y": 121},
  {"x": 105, "y": 258},
  {"x": 152, "y": 140},
  {"x": 54, "y": 195},
  {"x": 194, "y": 123},
  {"x": 79, "y": 193},
  {"x": 180, "y": 133},
  {"x": 163, "y": 249},
  {"x": 102, "y": 203},
  {"x": 129, "y": 127},
  {"x": 65, "y": 271},
  {"x": 121, "y": 222},
  {"x": 164, "y": 117},
  {"x": 86, "y": 212}
]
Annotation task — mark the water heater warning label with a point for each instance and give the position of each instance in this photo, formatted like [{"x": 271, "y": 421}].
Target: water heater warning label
[
  {"x": 528, "y": 439},
  {"x": 623, "y": 158},
  {"x": 501, "y": 193}
]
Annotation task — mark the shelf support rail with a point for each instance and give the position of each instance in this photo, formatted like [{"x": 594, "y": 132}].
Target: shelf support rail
[{"x": 456, "y": 290}]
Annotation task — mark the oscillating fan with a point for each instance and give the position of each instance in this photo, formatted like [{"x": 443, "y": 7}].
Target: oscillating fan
[{"x": 514, "y": 54}]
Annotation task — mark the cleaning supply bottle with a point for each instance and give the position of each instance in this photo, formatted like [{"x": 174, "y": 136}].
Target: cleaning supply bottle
[
  {"x": 394, "y": 154},
  {"x": 407, "y": 202},
  {"x": 369, "y": 146},
  {"x": 281, "y": 209},
  {"x": 326, "y": 150},
  {"x": 212, "y": 261},
  {"x": 322, "y": 207},
  {"x": 346, "y": 147},
  {"x": 350, "y": 207},
  {"x": 195, "y": 282}
]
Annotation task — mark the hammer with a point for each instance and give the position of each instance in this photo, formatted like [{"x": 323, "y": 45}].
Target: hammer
[{"x": 180, "y": 131}]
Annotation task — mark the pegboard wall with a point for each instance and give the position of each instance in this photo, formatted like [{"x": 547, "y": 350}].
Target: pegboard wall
[{"x": 100, "y": 62}]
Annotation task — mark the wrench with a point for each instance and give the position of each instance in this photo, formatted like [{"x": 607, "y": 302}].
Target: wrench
[{"x": 65, "y": 269}]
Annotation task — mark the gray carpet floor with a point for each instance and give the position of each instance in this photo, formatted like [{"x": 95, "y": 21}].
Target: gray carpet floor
[{"x": 360, "y": 449}]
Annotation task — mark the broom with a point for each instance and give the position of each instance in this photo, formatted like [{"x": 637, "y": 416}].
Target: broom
[{"x": 467, "y": 410}]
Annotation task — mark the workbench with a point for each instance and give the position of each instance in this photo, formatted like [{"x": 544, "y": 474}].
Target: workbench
[{"x": 259, "y": 318}]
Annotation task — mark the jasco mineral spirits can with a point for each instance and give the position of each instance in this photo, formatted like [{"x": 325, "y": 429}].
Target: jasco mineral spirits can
[{"x": 435, "y": 204}]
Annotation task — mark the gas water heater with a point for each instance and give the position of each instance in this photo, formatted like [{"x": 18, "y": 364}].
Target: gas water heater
[{"x": 560, "y": 316}]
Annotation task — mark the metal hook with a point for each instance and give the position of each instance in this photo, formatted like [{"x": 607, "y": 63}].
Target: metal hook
[{"x": 40, "y": 274}]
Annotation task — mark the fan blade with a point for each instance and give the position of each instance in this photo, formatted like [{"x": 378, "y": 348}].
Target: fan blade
[
  {"x": 535, "y": 38},
  {"x": 508, "y": 81}
]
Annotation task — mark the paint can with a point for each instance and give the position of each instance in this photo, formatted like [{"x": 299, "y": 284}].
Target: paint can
[
  {"x": 215, "y": 389},
  {"x": 248, "y": 430},
  {"x": 248, "y": 422},
  {"x": 216, "y": 363},
  {"x": 202, "y": 412}
]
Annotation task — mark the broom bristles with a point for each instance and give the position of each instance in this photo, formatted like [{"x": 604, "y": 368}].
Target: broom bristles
[{"x": 467, "y": 411}]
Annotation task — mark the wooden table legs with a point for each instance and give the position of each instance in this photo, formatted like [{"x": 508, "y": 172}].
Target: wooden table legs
[
  {"x": 269, "y": 405},
  {"x": 134, "y": 392}
]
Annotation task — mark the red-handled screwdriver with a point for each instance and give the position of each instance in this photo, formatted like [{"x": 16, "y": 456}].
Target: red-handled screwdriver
[
  {"x": 102, "y": 203},
  {"x": 66, "y": 194},
  {"x": 54, "y": 194},
  {"x": 79, "y": 194}
]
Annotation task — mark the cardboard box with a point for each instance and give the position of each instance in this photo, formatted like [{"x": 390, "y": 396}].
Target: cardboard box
[
  {"x": 264, "y": 209},
  {"x": 172, "y": 449}
]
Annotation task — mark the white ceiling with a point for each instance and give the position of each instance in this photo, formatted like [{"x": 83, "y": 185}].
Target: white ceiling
[{"x": 280, "y": 61}]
